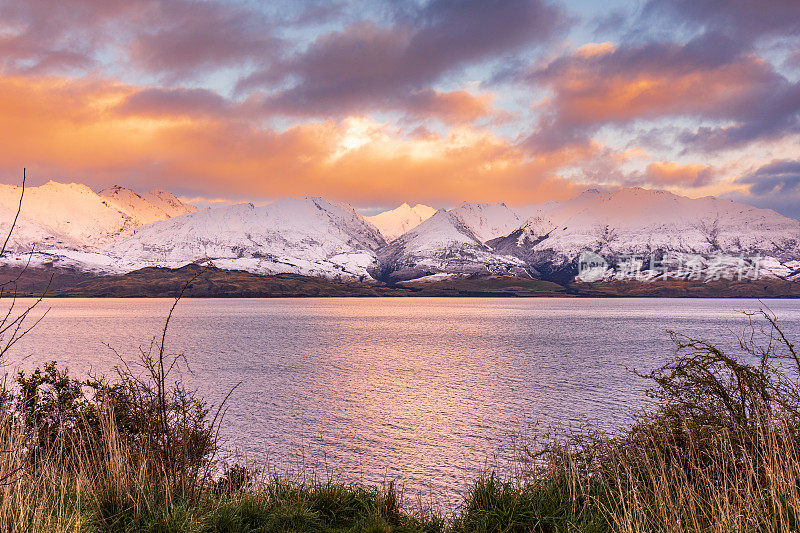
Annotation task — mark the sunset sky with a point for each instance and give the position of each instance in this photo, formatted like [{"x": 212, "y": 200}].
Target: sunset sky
[{"x": 382, "y": 102}]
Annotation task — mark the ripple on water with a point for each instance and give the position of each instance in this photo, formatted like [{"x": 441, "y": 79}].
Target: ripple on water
[{"x": 428, "y": 390}]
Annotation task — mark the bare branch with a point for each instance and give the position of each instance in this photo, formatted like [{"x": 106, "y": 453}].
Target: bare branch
[{"x": 14, "y": 223}]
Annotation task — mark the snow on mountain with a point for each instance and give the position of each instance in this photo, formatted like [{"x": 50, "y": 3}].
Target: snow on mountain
[
  {"x": 61, "y": 215},
  {"x": 144, "y": 209},
  {"x": 133, "y": 205},
  {"x": 310, "y": 236},
  {"x": 488, "y": 221},
  {"x": 68, "y": 225},
  {"x": 529, "y": 211},
  {"x": 635, "y": 221},
  {"x": 400, "y": 220},
  {"x": 442, "y": 244},
  {"x": 119, "y": 230},
  {"x": 168, "y": 202},
  {"x": 485, "y": 221}
]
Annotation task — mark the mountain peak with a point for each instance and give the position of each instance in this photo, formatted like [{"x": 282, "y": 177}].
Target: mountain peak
[
  {"x": 442, "y": 244},
  {"x": 116, "y": 190},
  {"x": 53, "y": 185},
  {"x": 488, "y": 221},
  {"x": 403, "y": 218},
  {"x": 306, "y": 235},
  {"x": 168, "y": 203}
]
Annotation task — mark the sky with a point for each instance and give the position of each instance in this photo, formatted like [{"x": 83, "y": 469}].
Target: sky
[{"x": 382, "y": 102}]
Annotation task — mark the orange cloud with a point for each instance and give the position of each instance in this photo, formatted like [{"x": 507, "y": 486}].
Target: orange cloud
[
  {"x": 594, "y": 49},
  {"x": 69, "y": 128},
  {"x": 585, "y": 98},
  {"x": 451, "y": 107},
  {"x": 670, "y": 173}
]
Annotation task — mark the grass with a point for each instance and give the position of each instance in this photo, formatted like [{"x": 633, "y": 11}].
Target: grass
[{"x": 718, "y": 452}]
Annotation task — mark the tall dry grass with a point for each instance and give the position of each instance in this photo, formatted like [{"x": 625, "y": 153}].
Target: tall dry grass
[
  {"x": 107, "y": 484},
  {"x": 653, "y": 483},
  {"x": 720, "y": 451}
]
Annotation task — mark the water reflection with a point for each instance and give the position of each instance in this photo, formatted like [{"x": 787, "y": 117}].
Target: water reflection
[{"x": 424, "y": 390}]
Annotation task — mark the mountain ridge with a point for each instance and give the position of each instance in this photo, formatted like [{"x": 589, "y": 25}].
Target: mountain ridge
[
  {"x": 634, "y": 233},
  {"x": 294, "y": 235},
  {"x": 400, "y": 220},
  {"x": 153, "y": 206},
  {"x": 68, "y": 215}
]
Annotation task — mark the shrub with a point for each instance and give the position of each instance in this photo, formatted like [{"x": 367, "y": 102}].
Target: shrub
[
  {"x": 718, "y": 452},
  {"x": 65, "y": 417}
]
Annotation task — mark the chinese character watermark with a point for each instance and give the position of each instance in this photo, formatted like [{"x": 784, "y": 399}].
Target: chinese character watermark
[{"x": 671, "y": 265}]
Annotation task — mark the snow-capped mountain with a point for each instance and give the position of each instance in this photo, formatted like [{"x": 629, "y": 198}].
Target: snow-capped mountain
[
  {"x": 638, "y": 222},
  {"x": 485, "y": 221},
  {"x": 310, "y": 236},
  {"x": 442, "y": 244},
  {"x": 144, "y": 209},
  {"x": 61, "y": 215},
  {"x": 536, "y": 210},
  {"x": 400, "y": 220},
  {"x": 72, "y": 216},
  {"x": 488, "y": 221},
  {"x": 168, "y": 203},
  {"x": 629, "y": 231}
]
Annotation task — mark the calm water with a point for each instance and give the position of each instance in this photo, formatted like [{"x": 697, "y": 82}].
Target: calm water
[{"x": 427, "y": 391}]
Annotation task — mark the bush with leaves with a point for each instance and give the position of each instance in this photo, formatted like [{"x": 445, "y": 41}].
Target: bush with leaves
[{"x": 63, "y": 416}]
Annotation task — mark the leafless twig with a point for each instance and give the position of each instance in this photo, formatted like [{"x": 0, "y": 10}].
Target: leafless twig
[{"x": 16, "y": 216}]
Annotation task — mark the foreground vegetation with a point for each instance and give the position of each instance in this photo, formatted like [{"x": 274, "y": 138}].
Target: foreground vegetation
[{"x": 720, "y": 451}]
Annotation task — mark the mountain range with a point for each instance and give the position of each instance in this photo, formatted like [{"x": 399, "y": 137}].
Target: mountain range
[
  {"x": 628, "y": 233},
  {"x": 74, "y": 217}
]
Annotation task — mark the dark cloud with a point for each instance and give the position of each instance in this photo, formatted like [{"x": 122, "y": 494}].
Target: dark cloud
[
  {"x": 160, "y": 102},
  {"x": 190, "y": 36},
  {"x": 775, "y": 185},
  {"x": 367, "y": 66},
  {"x": 777, "y": 177},
  {"x": 774, "y": 113},
  {"x": 710, "y": 78},
  {"x": 55, "y": 36},
  {"x": 318, "y": 12},
  {"x": 744, "y": 20},
  {"x": 454, "y": 32},
  {"x": 174, "y": 38},
  {"x": 59, "y": 61}
]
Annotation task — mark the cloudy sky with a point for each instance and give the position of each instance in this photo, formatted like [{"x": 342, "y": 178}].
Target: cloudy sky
[{"x": 380, "y": 102}]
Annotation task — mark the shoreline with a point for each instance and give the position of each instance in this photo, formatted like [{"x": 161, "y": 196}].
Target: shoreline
[
  {"x": 163, "y": 282},
  {"x": 159, "y": 282}
]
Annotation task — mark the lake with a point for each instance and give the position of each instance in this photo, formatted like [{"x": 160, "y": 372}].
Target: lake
[{"x": 426, "y": 391}]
